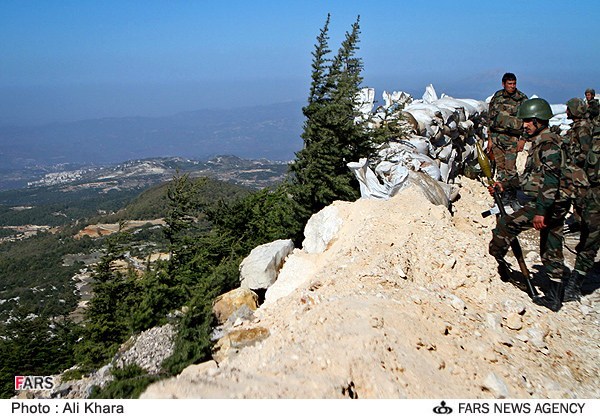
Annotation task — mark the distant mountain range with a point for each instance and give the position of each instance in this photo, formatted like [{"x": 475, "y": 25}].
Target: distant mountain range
[{"x": 271, "y": 132}]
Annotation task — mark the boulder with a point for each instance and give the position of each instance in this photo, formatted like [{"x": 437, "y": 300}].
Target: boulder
[
  {"x": 298, "y": 269},
  {"x": 233, "y": 342},
  {"x": 260, "y": 269},
  {"x": 228, "y": 303},
  {"x": 321, "y": 229}
]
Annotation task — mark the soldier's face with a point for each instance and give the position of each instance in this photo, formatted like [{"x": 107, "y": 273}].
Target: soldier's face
[
  {"x": 588, "y": 95},
  {"x": 510, "y": 86},
  {"x": 529, "y": 126}
]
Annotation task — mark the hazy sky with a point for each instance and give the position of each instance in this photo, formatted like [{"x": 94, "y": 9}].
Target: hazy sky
[{"x": 66, "y": 60}]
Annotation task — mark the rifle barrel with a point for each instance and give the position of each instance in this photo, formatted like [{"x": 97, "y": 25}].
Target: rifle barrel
[{"x": 515, "y": 245}]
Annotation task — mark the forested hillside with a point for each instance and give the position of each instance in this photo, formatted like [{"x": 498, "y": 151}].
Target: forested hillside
[{"x": 37, "y": 290}]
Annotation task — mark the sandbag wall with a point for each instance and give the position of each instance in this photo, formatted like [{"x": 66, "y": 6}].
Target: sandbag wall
[{"x": 442, "y": 131}]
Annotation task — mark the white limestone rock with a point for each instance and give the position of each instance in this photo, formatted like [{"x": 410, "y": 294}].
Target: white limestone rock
[
  {"x": 298, "y": 269},
  {"x": 496, "y": 386},
  {"x": 321, "y": 229},
  {"x": 260, "y": 269}
]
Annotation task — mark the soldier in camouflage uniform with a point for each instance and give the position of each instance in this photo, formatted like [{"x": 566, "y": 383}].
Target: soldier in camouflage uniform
[
  {"x": 579, "y": 141},
  {"x": 506, "y": 128},
  {"x": 547, "y": 206},
  {"x": 593, "y": 112},
  {"x": 589, "y": 242}
]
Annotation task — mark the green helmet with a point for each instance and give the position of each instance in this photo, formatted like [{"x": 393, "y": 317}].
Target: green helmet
[
  {"x": 577, "y": 107},
  {"x": 535, "y": 108}
]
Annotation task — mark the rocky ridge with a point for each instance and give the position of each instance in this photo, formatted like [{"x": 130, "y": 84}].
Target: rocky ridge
[{"x": 405, "y": 302}]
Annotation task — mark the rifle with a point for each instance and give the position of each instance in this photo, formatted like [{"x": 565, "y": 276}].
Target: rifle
[{"x": 515, "y": 246}]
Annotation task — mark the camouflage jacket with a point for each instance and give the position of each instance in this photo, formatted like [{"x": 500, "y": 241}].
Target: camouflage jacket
[
  {"x": 579, "y": 140},
  {"x": 542, "y": 175},
  {"x": 503, "y": 112},
  {"x": 593, "y": 112}
]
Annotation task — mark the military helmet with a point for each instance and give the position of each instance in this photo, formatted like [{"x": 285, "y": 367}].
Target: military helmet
[
  {"x": 592, "y": 91},
  {"x": 535, "y": 108},
  {"x": 577, "y": 107}
]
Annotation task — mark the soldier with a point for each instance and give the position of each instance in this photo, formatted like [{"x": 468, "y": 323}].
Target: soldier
[
  {"x": 545, "y": 208},
  {"x": 506, "y": 129},
  {"x": 579, "y": 141},
  {"x": 593, "y": 112},
  {"x": 589, "y": 242}
]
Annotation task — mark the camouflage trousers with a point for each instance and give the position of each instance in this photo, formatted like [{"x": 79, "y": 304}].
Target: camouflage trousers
[
  {"x": 504, "y": 148},
  {"x": 589, "y": 243},
  {"x": 551, "y": 237}
]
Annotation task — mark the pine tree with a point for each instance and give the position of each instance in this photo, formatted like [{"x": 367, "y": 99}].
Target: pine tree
[
  {"x": 318, "y": 87},
  {"x": 34, "y": 346},
  {"x": 333, "y": 135},
  {"x": 182, "y": 219},
  {"x": 109, "y": 315}
]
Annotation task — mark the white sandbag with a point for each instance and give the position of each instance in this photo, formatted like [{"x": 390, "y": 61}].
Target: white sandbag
[
  {"x": 396, "y": 97},
  {"x": 371, "y": 187},
  {"x": 421, "y": 144},
  {"x": 395, "y": 152},
  {"x": 444, "y": 172},
  {"x": 430, "y": 95},
  {"x": 447, "y": 164},
  {"x": 425, "y": 119},
  {"x": 427, "y": 165},
  {"x": 560, "y": 120},
  {"x": 432, "y": 190},
  {"x": 365, "y": 100},
  {"x": 391, "y": 174},
  {"x": 470, "y": 108},
  {"x": 469, "y": 153},
  {"x": 442, "y": 127},
  {"x": 429, "y": 109},
  {"x": 405, "y": 154},
  {"x": 435, "y": 133},
  {"x": 439, "y": 142},
  {"x": 558, "y": 109},
  {"x": 450, "y": 113},
  {"x": 445, "y": 153},
  {"x": 479, "y": 105},
  {"x": 466, "y": 126},
  {"x": 451, "y": 166}
]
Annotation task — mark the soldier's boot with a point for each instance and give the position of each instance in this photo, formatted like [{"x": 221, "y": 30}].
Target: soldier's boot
[
  {"x": 553, "y": 297},
  {"x": 503, "y": 269},
  {"x": 573, "y": 287}
]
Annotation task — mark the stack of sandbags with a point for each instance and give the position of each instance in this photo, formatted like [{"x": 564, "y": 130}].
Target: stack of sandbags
[
  {"x": 444, "y": 129},
  {"x": 442, "y": 132},
  {"x": 560, "y": 118}
]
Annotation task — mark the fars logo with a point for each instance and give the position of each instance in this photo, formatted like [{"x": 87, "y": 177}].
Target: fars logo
[{"x": 34, "y": 382}]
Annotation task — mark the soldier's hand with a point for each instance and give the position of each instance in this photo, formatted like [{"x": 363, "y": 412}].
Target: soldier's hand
[
  {"x": 520, "y": 145},
  {"x": 496, "y": 187},
  {"x": 538, "y": 222}
]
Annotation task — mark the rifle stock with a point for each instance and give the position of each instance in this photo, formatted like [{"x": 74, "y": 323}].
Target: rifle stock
[{"x": 515, "y": 246}]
